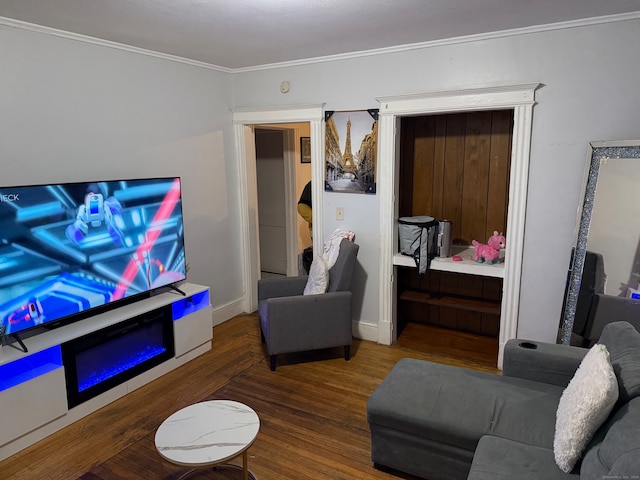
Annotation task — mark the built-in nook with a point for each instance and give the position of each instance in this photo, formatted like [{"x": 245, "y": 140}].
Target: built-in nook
[
  {"x": 455, "y": 167},
  {"x": 519, "y": 101}
]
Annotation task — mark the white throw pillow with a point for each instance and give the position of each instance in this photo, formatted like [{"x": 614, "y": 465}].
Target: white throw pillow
[
  {"x": 318, "y": 280},
  {"x": 584, "y": 406}
]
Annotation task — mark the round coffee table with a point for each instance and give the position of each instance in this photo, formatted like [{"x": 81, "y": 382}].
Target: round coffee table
[{"x": 208, "y": 434}]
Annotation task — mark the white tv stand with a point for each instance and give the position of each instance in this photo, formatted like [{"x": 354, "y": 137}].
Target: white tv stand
[{"x": 33, "y": 386}]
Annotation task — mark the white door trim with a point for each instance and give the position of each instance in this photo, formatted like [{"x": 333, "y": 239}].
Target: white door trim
[
  {"x": 288, "y": 138},
  {"x": 243, "y": 120},
  {"x": 519, "y": 97}
]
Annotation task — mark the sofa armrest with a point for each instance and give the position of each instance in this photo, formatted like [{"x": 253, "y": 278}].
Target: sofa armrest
[
  {"x": 281, "y": 287},
  {"x": 541, "y": 362}
]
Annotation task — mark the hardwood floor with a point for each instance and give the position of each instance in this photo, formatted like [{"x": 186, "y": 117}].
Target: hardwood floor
[{"x": 312, "y": 409}]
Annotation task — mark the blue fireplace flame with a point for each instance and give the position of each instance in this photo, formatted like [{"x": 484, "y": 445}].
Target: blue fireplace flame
[
  {"x": 113, "y": 367},
  {"x": 118, "y": 354}
]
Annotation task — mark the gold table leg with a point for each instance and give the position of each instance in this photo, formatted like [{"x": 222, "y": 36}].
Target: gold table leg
[
  {"x": 244, "y": 465},
  {"x": 247, "y": 474}
]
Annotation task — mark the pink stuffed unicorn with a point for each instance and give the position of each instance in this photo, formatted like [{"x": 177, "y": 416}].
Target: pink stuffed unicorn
[{"x": 490, "y": 252}]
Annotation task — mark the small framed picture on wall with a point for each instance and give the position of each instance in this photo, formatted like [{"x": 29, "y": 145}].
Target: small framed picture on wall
[{"x": 305, "y": 149}]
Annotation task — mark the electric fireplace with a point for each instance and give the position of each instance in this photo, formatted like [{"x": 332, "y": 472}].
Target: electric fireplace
[{"x": 98, "y": 362}]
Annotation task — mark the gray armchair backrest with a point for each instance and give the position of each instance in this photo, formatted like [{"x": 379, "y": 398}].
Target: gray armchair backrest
[
  {"x": 591, "y": 283},
  {"x": 341, "y": 273},
  {"x": 609, "y": 308}
]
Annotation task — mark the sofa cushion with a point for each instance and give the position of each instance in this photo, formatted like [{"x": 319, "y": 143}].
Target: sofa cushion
[
  {"x": 614, "y": 451},
  {"x": 623, "y": 342},
  {"x": 457, "y": 406},
  {"x": 584, "y": 406},
  {"x": 501, "y": 459}
]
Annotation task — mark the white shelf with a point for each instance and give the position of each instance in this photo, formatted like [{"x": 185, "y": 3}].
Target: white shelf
[{"x": 468, "y": 265}]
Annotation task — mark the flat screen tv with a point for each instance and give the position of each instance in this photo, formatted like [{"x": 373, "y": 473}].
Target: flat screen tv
[{"x": 67, "y": 250}]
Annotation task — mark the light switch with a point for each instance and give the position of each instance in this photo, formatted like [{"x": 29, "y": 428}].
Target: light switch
[{"x": 339, "y": 213}]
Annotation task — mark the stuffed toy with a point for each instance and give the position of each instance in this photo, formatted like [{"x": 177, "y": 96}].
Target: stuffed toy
[{"x": 489, "y": 252}]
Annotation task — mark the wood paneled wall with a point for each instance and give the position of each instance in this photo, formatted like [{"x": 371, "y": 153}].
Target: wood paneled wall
[{"x": 456, "y": 167}]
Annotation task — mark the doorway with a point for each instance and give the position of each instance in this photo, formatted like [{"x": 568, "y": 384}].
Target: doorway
[
  {"x": 280, "y": 178},
  {"x": 245, "y": 123},
  {"x": 272, "y": 218}
]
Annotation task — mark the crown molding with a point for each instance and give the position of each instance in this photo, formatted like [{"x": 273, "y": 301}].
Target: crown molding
[
  {"x": 9, "y": 22},
  {"x": 449, "y": 41},
  {"x": 31, "y": 27}
]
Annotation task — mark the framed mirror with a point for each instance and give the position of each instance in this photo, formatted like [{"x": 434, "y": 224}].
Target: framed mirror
[{"x": 608, "y": 223}]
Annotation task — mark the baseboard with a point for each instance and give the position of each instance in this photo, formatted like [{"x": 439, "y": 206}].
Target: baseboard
[
  {"x": 365, "y": 331},
  {"x": 226, "y": 312},
  {"x": 361, "y": 330}
]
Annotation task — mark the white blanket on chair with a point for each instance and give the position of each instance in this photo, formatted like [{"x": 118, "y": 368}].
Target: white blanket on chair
[{"x": 332, "y": 245}]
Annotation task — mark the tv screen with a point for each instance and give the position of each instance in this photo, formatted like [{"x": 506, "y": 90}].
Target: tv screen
[{"x": 69, "y": 248}]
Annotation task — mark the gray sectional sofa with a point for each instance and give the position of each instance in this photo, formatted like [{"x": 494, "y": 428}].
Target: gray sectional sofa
[{"x": 440, "y": 422}]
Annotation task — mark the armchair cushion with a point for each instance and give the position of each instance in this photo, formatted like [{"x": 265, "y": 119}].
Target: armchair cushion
[
  {"x": 584, "y": 406},
  {"x": 280, "y": 287}
]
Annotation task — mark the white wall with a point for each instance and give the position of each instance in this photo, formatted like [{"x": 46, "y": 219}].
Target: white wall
[
  {"x": 77, "y": 111},
  {"x": 73, "y": 111},
  {"x": 589, "y": 76}
]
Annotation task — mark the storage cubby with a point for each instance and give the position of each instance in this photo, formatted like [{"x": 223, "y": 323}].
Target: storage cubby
[
  {"x": 33, "y": 384},
  {"x": 455, "y": 167}
]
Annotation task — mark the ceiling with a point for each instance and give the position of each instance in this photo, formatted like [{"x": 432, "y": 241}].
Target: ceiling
[{"x": 246, "y": 34}]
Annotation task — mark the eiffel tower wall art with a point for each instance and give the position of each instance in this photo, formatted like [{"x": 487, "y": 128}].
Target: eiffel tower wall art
[{"x": 350, "y": 151}]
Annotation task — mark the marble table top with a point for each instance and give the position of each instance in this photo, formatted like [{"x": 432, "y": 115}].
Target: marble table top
[{"x": 207, "y": 433}]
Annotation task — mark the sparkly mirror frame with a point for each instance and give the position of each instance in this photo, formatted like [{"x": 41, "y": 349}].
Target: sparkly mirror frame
[{"x": 599, "y": 152}]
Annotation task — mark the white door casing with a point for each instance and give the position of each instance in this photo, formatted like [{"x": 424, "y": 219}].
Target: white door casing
[{"x": 243, "y": 119}]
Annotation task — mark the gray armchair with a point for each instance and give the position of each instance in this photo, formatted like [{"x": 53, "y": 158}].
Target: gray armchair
[
  {"x": 591, "y": 283},
  {"x": 609, "y": 308},
  {"x": 293, "y": 322},
  {"x": 594, "y": 308}
]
